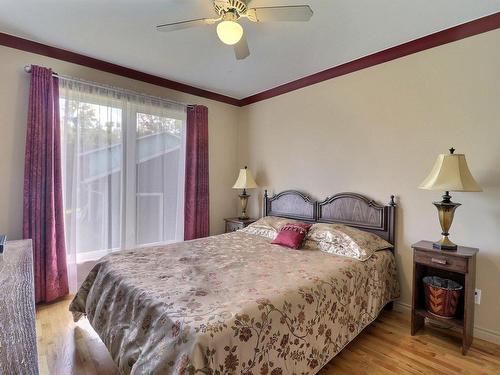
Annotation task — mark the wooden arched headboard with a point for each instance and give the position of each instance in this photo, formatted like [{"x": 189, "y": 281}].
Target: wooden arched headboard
[{"x": 355, "y": 210}]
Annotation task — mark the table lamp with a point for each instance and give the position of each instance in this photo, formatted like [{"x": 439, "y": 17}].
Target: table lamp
[
  {"x": 450, "y": 173},
  {"x": 245, "y": 181}
]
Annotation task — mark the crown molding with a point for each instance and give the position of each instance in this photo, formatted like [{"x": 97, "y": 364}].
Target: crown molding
[
  {"x": 465, "y": 30},
  {"x": 90, "y": 62},
  {"x": 439, "y": 38}
]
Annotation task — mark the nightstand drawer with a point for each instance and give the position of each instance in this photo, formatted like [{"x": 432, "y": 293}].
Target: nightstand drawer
[
  {"x": 444, "y": 261},
  {"x": 231, "y": 227}
]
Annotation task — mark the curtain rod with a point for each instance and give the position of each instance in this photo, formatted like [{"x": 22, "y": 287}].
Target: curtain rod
[{"x": 27, "y": 69}]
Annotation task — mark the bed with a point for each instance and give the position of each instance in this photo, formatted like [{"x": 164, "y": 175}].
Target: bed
[{"x": 236, "y": 304}]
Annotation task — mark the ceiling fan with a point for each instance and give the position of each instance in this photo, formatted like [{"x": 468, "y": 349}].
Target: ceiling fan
[{"x": 230, "y": 11}]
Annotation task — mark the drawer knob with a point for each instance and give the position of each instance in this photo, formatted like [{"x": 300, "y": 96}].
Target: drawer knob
[{"x": 438, "y": 261}]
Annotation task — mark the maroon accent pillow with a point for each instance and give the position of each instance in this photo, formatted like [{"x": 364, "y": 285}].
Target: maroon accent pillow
[{"x": 291, "y": 235}]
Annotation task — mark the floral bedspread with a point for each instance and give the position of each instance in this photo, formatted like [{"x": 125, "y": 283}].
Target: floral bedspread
[{"x": 231, "y": 304}]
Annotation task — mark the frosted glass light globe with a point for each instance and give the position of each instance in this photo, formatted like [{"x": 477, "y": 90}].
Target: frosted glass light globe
[{"x": 229, "y": 32}]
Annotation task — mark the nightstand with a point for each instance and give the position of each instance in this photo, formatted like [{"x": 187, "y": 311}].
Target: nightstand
[
  {"x": 460, "y": 266},
  {"x": 234, "y": 223}
]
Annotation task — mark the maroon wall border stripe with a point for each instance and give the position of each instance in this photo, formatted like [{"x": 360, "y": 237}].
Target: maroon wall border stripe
[
  {"x": 439, "y": 38},
  {"x": 76, "y": 58}
]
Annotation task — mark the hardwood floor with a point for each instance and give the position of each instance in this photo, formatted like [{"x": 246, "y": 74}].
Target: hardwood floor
[{"x": 385, "y": 347}]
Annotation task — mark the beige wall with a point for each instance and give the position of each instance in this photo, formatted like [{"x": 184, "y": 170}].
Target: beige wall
[
  {"x": 378, "y": 131},
  {"x": 14, "y": 85}
]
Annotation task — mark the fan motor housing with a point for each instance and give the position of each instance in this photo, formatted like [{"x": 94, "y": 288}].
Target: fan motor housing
[{"x": 235, "y": 6}]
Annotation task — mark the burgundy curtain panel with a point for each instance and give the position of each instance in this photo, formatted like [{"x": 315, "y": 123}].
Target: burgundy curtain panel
[
  {"x": 43, "y": 219},
  {"x": 196, "y": 206}
]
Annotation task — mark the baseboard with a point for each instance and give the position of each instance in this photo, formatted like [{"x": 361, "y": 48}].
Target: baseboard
[
  {"x": 479, "y": 332},
  {"x": 402, "y": 307},
  {"x": 487, "y": 335}
]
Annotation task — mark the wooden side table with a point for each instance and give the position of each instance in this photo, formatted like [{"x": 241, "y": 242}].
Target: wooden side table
[
  {"x": 460, "y": 266},
  {"x": 235, "y": 223}
]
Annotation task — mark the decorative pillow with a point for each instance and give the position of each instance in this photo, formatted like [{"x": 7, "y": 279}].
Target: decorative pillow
[
  {"x": 292, "y": 235},
  {"x": 268, "y": 226},
  {"x": 343, "y": 240}
]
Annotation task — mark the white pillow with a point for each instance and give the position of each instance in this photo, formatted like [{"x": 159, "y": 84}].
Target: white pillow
[
  {"x": 343, "y": 240},
  {"x": 268, "y": 226}
]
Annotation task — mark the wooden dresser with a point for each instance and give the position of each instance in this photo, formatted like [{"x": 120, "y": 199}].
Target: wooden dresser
[{"x": 18, "y": 354}]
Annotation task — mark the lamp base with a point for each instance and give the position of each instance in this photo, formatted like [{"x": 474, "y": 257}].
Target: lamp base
[
  {"x": 244, "y": 201},
  {"x": 446, "y": 210},
  {"x": 445, "y": 244}
]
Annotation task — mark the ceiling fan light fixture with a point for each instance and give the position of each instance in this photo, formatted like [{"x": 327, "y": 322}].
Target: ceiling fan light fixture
[{"x": 229, "y": 32}]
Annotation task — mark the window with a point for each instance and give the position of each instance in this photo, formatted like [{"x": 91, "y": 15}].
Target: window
[{"x": 123, "y": 169}]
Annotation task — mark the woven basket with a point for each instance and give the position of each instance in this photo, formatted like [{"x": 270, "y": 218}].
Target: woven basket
[{"x": 442, "y": 296}]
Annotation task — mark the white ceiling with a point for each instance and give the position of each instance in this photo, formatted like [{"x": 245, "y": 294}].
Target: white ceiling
[{"x": 122, "y": 32}]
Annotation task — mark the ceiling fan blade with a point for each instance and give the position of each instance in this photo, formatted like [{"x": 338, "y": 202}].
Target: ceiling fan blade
[
  {"x": 186, "y": 24},
  {"x": 241, "y": 50},
  {"x": 283, "y": 13}
]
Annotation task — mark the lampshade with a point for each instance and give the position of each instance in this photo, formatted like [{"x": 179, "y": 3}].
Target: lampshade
[
  {"x": 245, "y": 180},
  {"x": 229, "y": 32},
  {"x": 450, "y": 173}
]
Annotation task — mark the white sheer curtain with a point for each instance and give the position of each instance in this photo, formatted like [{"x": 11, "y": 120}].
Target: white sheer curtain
[{"x": 123, "y": 171}]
